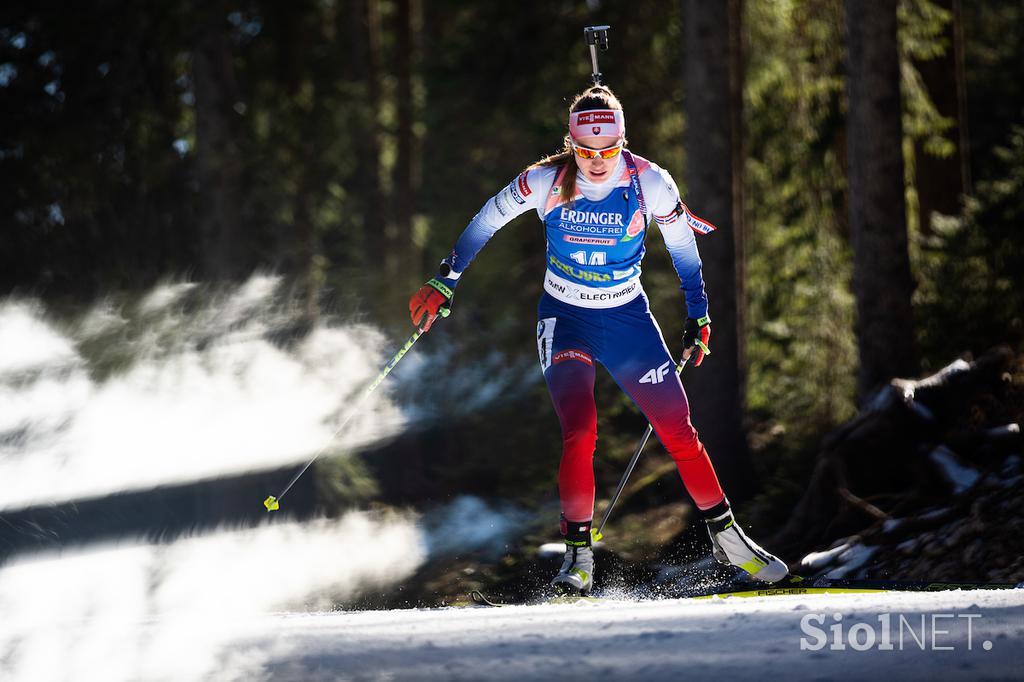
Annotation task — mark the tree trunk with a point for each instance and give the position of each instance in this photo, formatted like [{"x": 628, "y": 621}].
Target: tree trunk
[
  {"x": 963, "y": 139},
  {"x": 710, "y": 139},
  {"x": 882, "y": 281},
  {"x": 364, "y": 38},
  {"x": 739, "y": 155},
  {"x": 224, "y": 255},
  {"x": 942, "y": 181},
  {"x": 405, "y": 171}
]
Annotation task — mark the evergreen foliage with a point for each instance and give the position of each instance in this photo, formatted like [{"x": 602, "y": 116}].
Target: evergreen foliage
[{"x": 99, "y": 161}]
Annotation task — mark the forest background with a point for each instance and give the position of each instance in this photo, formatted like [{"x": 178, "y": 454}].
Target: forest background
[{"x": 344, "y": 145}]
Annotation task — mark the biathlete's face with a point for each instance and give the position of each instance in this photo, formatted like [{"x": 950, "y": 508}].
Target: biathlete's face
[{"x": 597, "y": 169}]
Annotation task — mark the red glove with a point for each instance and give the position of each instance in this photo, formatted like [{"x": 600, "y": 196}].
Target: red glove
[
  {"x": 434, "y": 298},
  {"x": 696, "y": 337}
]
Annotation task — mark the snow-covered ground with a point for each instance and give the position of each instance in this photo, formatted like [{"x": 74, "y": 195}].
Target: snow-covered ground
[{"x": 718, "y": 639}]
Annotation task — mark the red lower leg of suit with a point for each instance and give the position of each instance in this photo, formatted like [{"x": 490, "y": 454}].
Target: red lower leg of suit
[{"x": 572, "y": 390}]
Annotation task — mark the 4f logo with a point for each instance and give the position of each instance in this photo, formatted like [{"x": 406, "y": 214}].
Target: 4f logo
[{"x": 657, "y": 375}]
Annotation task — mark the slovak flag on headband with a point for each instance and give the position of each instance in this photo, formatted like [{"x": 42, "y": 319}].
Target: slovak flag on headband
[{"x": 597, "y": 123}]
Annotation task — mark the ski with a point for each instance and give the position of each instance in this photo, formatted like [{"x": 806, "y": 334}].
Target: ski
[
  {"x": 796, "y": 585},
  {"x": 480, "y": 599},
  {"x": 909, "y": 585},
  {"x": 791, "y": 586},
  {"x": 573, "y": 599},
  {"x": 784, "y": 591}
]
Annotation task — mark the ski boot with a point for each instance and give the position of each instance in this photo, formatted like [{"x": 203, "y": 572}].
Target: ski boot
[
  {"x": 576, "y": 577},
  {"x": 731, "y": 546}
]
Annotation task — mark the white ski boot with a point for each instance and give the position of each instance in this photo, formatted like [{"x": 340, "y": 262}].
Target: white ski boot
[
  {"x": 577, "y": 573},
  {"x": 731, "y": 546}
]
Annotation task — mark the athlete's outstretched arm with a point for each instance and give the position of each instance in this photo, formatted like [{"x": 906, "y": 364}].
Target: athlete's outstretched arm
[
  {"x": 435, "y": 297},
  {"x": 519, "y": 196},
  {"x": 678, "y": 227}
]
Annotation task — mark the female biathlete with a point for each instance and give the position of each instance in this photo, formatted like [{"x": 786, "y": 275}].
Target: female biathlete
[{"x": 596, "y": 199}]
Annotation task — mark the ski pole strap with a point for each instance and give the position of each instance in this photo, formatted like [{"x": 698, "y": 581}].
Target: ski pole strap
[
  {"x": 445, "y": 290},
  {"x": 703, "y": 322},
  {"x": 445, "y": 310}
]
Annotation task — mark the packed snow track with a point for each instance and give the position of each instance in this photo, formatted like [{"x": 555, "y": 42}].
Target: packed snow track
[{"x": 933, "y": 636}]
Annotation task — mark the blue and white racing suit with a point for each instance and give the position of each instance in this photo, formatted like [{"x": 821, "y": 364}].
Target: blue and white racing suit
[{"x": 594, "y": 309}]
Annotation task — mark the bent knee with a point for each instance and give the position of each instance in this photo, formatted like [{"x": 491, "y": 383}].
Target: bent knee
[
  {"x": 683, "y": 443},
  {"x": 579, "y": 440}
]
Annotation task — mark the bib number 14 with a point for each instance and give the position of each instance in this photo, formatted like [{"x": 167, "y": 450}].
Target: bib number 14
[{"x": 596, "y": 258}]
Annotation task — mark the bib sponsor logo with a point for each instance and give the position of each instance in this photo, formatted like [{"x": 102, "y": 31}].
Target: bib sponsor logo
[
  {"x": 590, "y": 296},
  {"x": 656, "y": 375},
  {"x": 597, "y": 241},
  {"x": 636, "y": 226},
  {"x": 622, "y": 274},
  {"x": 572, "y": 354},
  {"x": 577, "y": 273},
  {"x": 590, "y": 217},
  {"x": 594, "y": 296},
  {"x": 560, "y": 288},
  {"x": 590, "y": 229}
]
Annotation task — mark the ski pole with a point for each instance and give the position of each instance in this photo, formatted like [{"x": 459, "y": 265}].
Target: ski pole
[
  {"x": 272, "y": 503},
  {"x": 596, "y": 36},
  {"x": 596, "y": 534}
]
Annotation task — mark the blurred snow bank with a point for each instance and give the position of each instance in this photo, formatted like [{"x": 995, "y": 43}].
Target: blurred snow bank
[
  {"x": 172, "y": 612},
  {"x": 470, "y": 524},
  {"x": 182, "y": 385}
]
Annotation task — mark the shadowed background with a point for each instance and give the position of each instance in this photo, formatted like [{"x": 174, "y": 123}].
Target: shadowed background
[{"x": 212, "y": 219}]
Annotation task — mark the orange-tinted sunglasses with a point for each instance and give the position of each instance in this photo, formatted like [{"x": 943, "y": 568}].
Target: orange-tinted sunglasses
[{"x": 588, "y": 153}]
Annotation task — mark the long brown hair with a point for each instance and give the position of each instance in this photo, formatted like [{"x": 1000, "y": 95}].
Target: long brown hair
[{"x": 594, "y": 97}]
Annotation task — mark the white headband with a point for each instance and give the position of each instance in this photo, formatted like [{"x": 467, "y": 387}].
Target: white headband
[{"x": 597, "y": 123}]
